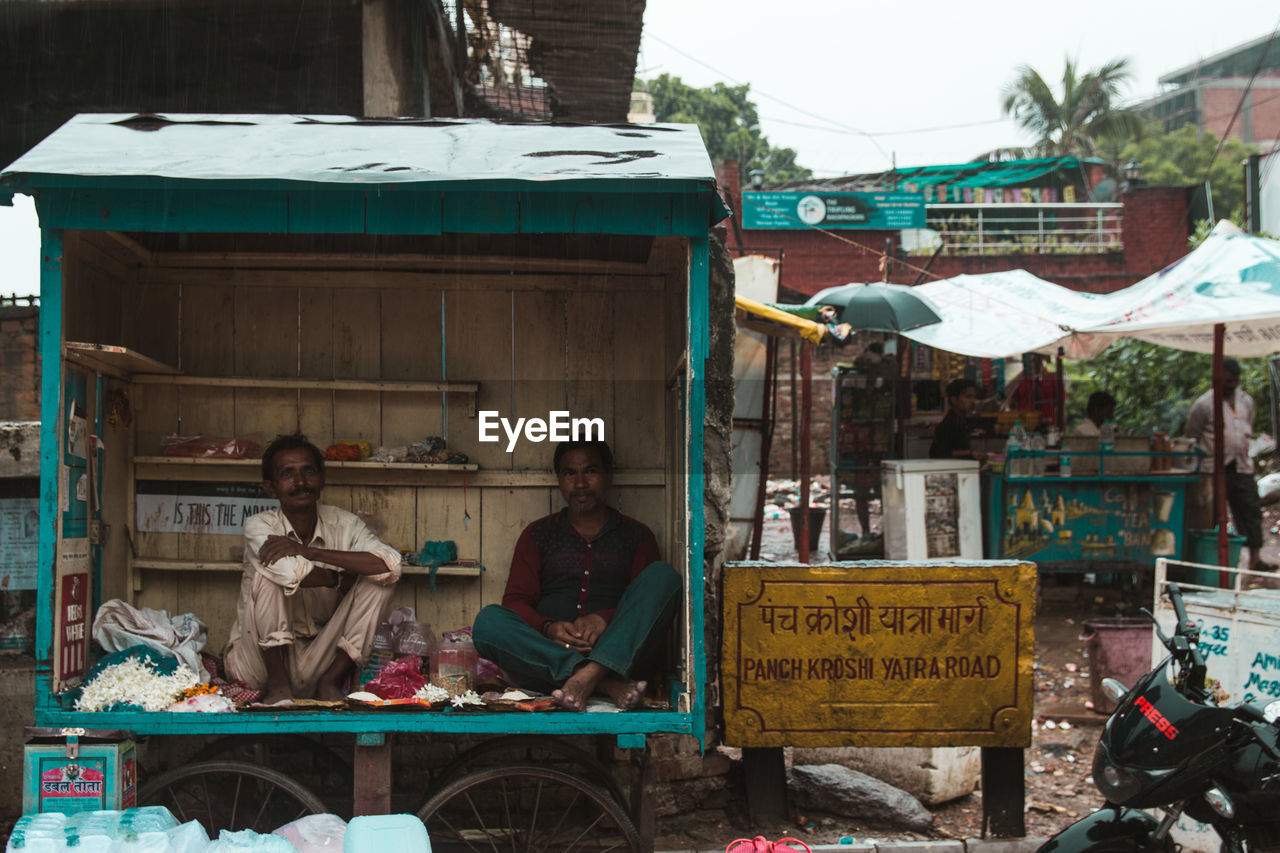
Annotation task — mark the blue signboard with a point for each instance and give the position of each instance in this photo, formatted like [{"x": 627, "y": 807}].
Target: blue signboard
[{"x": 870, "y": 210}]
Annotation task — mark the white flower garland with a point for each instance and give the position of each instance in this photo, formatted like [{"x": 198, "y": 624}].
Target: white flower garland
[
  {"x": 468, "y": 698},
  {"x": 432, "y": 693},
  {"x": 135, "y": 682}
]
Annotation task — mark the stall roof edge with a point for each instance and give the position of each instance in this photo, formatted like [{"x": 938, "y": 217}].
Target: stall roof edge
[{"x": 344, "y": 150}]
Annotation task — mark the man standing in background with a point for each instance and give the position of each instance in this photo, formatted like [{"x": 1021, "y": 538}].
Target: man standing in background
[{"x": 1237, "y": 428}]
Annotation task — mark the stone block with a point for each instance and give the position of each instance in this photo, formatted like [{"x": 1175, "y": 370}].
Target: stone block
[{"x": 932, "y": 775}]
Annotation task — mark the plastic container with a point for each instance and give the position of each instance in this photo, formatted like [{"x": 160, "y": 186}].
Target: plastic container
[
  {"x": 414, "y": 638},
  {"x": 1013, "y": 447},
  {"x": 1064, "y": 461},
  {"x": 1119, "y": 649},
  {"x": 381, "y": 654},
  {"x": 1038, "y": 458},
  {"x": 1204, "y": 549},
  {"x": 383, "y": 833},
  {"x": 817, "y": 515},
  {"x": 453, "y": 667}
]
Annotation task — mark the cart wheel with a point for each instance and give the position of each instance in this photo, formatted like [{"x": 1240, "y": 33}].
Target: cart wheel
[
  {"x": 231, "y": 795},
  {"x": 310, "y": 762},
  {"x": 541, "y": 750},
  {"x": 526, "y": 807}
]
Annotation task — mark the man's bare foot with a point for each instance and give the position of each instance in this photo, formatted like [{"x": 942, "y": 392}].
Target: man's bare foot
[
  {"x": 573, "y": 694},
  {"x": 276, "y": 695},
  {"x": 625, "y": 694},
  {"x": 327, "y": 692}
]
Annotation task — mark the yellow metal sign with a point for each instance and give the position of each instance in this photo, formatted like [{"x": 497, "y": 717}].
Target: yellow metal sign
[{"x": 878, "y": 654}]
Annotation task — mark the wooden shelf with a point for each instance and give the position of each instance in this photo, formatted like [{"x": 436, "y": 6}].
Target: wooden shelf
[
  {"x": 222, "y": 462},
  {"x": 124, "y": 363},
  {"x": 299, "y": 384},
  {"x": 116, "y": 361},
  {"x": 205, "y": 469},
  {"x": 465, "y": 569}
]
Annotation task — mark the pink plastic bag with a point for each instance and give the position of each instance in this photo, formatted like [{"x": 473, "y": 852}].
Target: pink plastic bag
[{"x": 399, "y": 679}]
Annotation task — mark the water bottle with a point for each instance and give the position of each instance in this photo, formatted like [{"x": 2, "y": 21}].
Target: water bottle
[
  {"x": 1107, "y": 436},
  {"x": 1037, "y": 458},
  {"x": 380, "y": 655},
  {"x": 1064, "y": 461},
  {"x": 1012, "y": 448}
]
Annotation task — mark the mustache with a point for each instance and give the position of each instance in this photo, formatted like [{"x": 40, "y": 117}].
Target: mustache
[{"x": 301, "y": 490}]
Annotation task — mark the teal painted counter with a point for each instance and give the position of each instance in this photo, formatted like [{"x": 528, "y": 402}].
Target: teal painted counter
[{"x": 1086, "y": 522}]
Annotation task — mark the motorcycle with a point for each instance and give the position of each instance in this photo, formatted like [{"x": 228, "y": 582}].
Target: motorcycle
[{"x": 1168, "y": 745}]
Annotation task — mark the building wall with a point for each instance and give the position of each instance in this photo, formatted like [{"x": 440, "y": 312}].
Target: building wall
[
  {"x": 1259, "y": 118},
  {"x": 19, "y": 364},
  {"x": 1155, "y": 230}
]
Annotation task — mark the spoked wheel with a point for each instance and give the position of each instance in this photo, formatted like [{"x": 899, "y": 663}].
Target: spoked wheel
[
  {"x": 541, "y": 750},
  {"x": 309, "y": 762},
  {"x": 231, "y": 795},
  {"x": 529, "y": 808}
]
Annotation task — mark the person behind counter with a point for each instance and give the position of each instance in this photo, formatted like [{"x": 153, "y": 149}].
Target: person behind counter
[
  {"x": 1100, "y": 408},
  {"x": 316, "y": 583},
  {"x": 587, "y": 601},
  {"x": 1237, "y": 427},
  {"x": 951, "y": 438}
]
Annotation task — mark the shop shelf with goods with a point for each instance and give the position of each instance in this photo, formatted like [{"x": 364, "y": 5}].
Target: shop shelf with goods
[{"x": 864, "y": 430}]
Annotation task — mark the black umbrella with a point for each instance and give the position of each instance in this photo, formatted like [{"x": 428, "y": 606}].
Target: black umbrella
[{"x": 879, "y": 307}]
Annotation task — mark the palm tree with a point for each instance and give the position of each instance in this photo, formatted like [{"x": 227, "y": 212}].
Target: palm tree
[{"x": 1085, "y": 113}]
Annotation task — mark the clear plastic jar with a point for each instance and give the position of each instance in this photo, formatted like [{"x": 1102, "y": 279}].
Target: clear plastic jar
[{"x": 453, "y": 667}]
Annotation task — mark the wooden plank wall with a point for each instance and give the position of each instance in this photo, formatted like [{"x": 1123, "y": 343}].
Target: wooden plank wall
[{"x": 597, "y": 345}]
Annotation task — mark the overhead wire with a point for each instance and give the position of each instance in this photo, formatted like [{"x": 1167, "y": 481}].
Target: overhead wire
[
  {"x": 783, "y": 101},
  {"x": 1226, "y": 133}
]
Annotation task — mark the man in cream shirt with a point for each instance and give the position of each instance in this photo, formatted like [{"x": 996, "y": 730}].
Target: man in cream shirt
[
  {"x": 316, "y": 584},
  {"x": 1237, "y": 428}
]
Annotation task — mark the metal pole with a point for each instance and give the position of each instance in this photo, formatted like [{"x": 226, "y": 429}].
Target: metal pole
[
  {"x": 1219, "y": 472},
  {"x": 795, "y": 415},
  {"x": 1062, "y": 396},
  {"x": 767, "y": 413},
  {"x": 806, "y": 395}
]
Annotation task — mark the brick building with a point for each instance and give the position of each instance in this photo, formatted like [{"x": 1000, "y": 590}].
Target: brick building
[
  {"x": 1207, "y": 94},
  {"x": 19, "y": 360}
]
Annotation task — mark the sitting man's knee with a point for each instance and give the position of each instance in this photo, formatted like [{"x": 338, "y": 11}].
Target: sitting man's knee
[
  {"x": 663, "y": 576},
  {"x": 488, "y": 619}
]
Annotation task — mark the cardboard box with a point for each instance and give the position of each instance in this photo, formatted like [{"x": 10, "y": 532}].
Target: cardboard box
[{"x": 76, "y": 770}]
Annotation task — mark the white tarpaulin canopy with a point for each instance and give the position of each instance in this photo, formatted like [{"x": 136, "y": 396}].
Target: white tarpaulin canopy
[
  {"x": 1232, "y": 278},
  {"x": 1003, "y": 314}
]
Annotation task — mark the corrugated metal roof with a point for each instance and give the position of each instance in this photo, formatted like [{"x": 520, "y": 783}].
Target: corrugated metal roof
[{"x": 344, "y": 150}]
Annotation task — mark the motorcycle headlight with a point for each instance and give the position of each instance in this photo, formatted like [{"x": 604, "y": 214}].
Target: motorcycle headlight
[{"x": 1116, "y": 783}]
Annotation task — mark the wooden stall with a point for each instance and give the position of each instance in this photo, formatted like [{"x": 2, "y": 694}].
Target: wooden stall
[{"x": 239, "y": 277}]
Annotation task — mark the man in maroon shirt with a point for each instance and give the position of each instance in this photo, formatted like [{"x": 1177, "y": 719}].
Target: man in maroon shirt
[{"x": 587, "y": 601}]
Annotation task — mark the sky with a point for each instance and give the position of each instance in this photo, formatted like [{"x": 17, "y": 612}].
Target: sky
[{"x": 851, "y": 85}]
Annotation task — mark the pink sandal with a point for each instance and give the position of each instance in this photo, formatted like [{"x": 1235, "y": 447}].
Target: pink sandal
[{"x": 760, "y": 845}]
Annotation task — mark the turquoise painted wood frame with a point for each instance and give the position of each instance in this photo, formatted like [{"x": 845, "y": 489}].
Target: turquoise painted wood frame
[{"x": 633, "y": 206}]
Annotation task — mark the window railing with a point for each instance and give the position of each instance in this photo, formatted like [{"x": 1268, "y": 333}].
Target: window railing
[{"x": 1023, "y": 229}]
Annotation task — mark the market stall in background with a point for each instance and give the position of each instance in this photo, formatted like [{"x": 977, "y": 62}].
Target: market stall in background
[{"x": 1084, "y": 503}]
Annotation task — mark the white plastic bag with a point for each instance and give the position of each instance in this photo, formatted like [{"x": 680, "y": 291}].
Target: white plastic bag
[
  {"x": 118, "y": 625},
  {"x": 315, "y": 833},
  {"x": 190, "y": 837},
  {"x": 248, "y": 841}
]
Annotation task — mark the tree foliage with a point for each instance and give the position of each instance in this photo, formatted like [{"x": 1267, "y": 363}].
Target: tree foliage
[
  {"x": 1070, "y": 122},
  {"x": 729, "y": 122},
  {"x": 1181, "y": 157},
  {"x": 1154, "y": 386}
]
